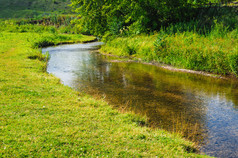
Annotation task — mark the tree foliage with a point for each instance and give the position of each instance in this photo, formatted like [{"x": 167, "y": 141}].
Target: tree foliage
[{"x": 135, "y": 16}]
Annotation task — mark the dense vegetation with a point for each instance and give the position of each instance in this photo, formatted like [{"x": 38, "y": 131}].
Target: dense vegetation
[
  {"x": 112, "y": 17},
  {"x": 190, "y": 34},
  {"x": 216, "y": 52},
  {"x": 135, "y": 17}
]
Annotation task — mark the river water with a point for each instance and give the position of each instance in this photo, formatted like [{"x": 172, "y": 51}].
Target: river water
[{"x": 203, "y": 109}]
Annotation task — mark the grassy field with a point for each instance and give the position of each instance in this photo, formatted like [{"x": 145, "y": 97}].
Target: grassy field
[
  {"x": 31, "y": 8},
  {"x": 40, "y": 117}
]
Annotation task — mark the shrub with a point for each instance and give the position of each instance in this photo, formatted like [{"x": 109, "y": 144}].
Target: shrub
[{"x": 43, "y": 42}]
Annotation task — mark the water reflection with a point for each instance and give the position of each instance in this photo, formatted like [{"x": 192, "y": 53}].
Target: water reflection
[{"x": 202, "y": 108}]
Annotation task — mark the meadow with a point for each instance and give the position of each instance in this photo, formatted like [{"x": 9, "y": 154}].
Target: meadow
[
  {"x": 33, "y": 8},
  {"x": 40, "y": 117}
]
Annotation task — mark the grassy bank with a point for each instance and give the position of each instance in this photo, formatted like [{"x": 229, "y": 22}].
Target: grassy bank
[
  {"x": 42, "y": 118},
  {"x": 215, "y": 51},
  {"x": 206, "y": 41}
]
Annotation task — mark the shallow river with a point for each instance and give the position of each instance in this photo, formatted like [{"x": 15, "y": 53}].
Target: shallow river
[{"x": 203, "y": 109}]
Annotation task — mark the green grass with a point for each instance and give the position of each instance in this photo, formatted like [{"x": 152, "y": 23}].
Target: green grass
[
  {"x": 216, "y": 51},
  {"x": 40, "y": 117},
  {"x": 21, "y": 26},
  {"x": 32, "y": 8},
  {"x": 208, "y": 42},
  {"x": 212, "y": 53},
  {"x": 141, "y": 46}
]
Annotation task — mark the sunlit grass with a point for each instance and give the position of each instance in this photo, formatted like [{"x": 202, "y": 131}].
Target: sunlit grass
[
  {"x": 141, "y": 46},
  {"x": 215, "y": 52},
  {"x": 40, "y": 117}
]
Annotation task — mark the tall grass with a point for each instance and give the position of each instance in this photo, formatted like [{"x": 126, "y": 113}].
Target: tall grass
[
  {"x": 214, "y": 52},
  {"x": 185, "y": 46}
]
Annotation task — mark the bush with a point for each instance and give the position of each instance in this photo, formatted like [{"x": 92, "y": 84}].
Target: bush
[{"x": 43, "y": 42}]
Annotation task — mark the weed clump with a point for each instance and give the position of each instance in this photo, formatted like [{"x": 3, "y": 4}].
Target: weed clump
[{"x": 43, "y": 42}]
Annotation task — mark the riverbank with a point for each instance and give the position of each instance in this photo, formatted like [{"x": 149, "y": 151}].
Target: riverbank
[
  {"x": 119, "y": 59},
  {"x": 214, "y": 53},
  {"x": 42, "y": 117},
  {"x": 171, "y": 68}
]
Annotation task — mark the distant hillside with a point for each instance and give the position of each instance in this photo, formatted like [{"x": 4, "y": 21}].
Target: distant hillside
[{"x": 31, "y": 8}]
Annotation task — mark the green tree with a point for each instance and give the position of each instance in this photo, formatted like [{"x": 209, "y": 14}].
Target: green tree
[{"x": 136, "y": 16}]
